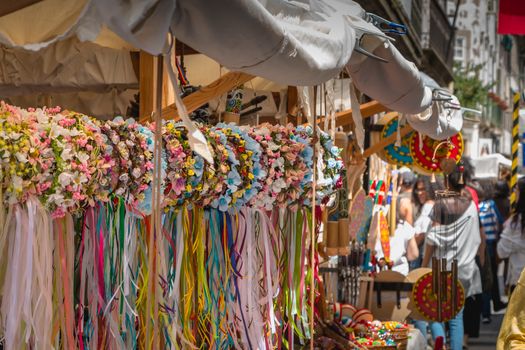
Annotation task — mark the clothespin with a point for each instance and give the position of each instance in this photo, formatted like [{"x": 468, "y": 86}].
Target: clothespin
[{"x": 385, "y": 25}]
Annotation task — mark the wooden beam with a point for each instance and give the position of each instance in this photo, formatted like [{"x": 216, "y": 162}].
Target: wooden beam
[
  {"x": 367, "y": 109},
  {"x": 147, "y": 85},
  {"x": 386, "y": 141},
  {"x": 207, "y": 93},
  {"x": 7, "y": 7}
]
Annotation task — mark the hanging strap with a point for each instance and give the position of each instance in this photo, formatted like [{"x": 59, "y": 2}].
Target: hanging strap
[
  {"x": 196, "y": 139},
  {"x": 356, "y": 116}
]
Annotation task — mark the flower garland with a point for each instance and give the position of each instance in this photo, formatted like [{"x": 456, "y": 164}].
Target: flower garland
[
  {"x": 132, "y": 146},
  {"x": 81, "y": 168},
  {"x": 70, "y": 161}
]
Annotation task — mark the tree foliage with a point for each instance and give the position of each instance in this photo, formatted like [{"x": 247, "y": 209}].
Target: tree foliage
[{"x": 468, "y": 87}]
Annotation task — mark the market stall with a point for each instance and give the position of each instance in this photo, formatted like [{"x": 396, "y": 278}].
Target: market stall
[{"x": 164, "y": 232}]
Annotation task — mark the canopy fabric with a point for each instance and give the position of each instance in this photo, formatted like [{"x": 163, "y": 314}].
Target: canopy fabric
[
  {"x": 286, "y": 42},
  {"x": 65, "y": 66},
  {"x": 301, "y": 42},
  {"x": 511, "y": 17},
  {"x": 488, "y": 166},
  {"x": 397, "y": 84}
]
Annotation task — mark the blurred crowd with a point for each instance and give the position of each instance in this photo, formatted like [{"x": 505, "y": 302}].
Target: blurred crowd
[{"x": 477, "y": 228}]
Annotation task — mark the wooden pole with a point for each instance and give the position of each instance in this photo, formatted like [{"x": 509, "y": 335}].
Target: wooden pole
[{"x": 147, "y": 85}]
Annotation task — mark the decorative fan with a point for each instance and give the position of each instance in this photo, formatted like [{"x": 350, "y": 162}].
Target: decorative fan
[
  {"x": 433, "y": 296},
  {"x": 361, "y": 216},
  {"x": 428, "y": 153},
  {"x": 392, "y": 154}
]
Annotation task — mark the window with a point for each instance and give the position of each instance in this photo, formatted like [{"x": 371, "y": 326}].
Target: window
[
  {"x": 459, "y": 48},
  {"x": 490, "y": 6}
]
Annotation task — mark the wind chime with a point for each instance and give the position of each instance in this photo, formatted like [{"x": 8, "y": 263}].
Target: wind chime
[{"x": 438, "y": 295}]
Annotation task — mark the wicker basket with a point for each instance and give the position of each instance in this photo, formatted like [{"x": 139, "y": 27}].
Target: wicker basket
[{"x": 401, "y": 337}]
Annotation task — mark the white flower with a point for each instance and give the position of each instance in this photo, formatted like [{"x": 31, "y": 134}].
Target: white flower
[
  {"x": 136, "y": 173},
  {"x": 41, "y": 117},
  {"x": 82, "y": 157},
  {"x": 80, "y": 178},
  {"x": 273, "y": 146},
  {"x": 56, "y": 131},
  {"x": 278, "y": 185},
  {"x": 124, "y": 177},
  {"x": 66, "y": 154},
  {"x": 56, "y": 198},
  {"x": 17, "y": 183},
  {"x": 21, "y": 157},
  {"x": 65, "y": 179}
]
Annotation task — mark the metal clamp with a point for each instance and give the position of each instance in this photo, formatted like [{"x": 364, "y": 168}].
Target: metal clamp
[{"x": 385, "y": 25}]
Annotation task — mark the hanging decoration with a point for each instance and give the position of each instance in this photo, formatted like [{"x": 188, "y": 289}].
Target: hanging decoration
[
  {"x": 393, "y": 153},
  {"x": 229, "y": 269},
  {"x": 435, "y": 302},
  {"x": 428, "y": 153}
]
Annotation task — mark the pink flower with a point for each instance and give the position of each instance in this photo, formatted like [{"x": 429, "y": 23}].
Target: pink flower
[
  {"x": 149, "y": 165},
  {"x": 43, "y": 186},
  {"x": 58, "y": 213},
  {"x": 66, "y": 122},
  {"x": 290, "y": 156},
  {"x": 82, "y": 142},
  {"x": 89, "y": 147},
  {"x": 78, "y": 196}
]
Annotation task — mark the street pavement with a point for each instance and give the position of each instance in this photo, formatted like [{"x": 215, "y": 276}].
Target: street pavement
[{"x": 488, "y": 335}]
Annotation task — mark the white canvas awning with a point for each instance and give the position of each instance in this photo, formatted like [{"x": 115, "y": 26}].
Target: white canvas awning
[
  {"x": 488, "y": 166},
  {"x": 298, "y": 42}
]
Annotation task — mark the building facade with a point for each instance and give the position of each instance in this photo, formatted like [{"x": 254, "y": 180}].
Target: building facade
[
  {"x": 500, "y": 61},
  {"x": 447, "y": 35}
]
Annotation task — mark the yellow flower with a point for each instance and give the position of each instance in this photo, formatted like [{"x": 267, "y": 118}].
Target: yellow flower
[
  {"x": 191, "y": 172},
  {"x": 188, "y": 188},
  {"x": 250, "y": 176},
  {"x": 244, "y": 156}
]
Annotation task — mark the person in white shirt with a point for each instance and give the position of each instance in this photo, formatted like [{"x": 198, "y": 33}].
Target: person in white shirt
[
  {"x": 511, "y": 244},
  {"x": 423, "y": 197}
]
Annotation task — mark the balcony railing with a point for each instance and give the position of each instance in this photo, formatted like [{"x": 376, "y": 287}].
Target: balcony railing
[
  {"x": 430, "y": 22},
  {"x": 440, "y": 33}
]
